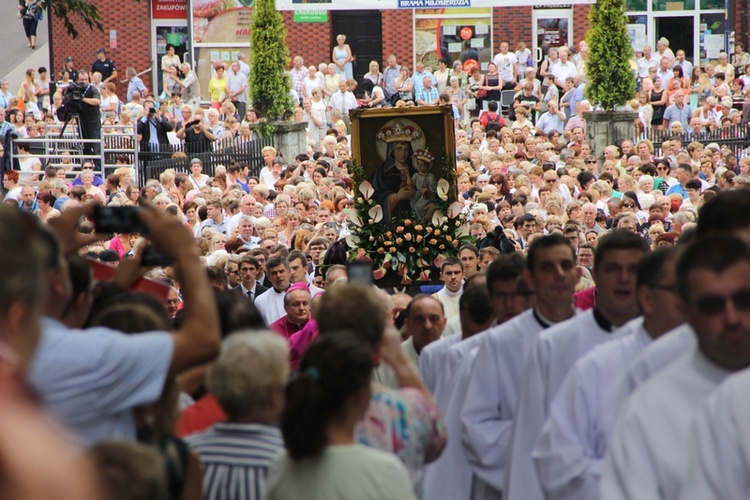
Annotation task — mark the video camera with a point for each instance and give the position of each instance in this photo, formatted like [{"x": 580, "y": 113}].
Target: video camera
[{"x": 72, "y": 100}]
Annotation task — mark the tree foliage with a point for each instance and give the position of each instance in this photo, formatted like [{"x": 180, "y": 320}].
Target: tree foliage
[
  {"x": 270, "y": 85},
  {"x": 610, "y": 79},
  {"x": 67, "y": 10}
]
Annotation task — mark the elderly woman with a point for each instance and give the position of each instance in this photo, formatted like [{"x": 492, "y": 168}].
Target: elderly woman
[{"x": 247, "y": 381}]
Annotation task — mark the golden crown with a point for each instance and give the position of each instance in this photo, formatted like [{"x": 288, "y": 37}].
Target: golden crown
[
  {"x": 424, "y": 155},
  {"x": 398, "y": 132}
]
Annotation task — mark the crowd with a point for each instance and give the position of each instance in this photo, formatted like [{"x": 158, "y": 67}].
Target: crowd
[{"x": 583, "y": 347}]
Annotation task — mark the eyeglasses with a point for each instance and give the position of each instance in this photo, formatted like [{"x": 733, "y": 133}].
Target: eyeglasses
[
  {"x": 233, "y": 272},
  {"x": 550, "y": 181},
  {"x": 662, "y": 168},
  {"x": 628, "y": 205},
  {"x": 712, "y": 305},
  {"x": 591, "y": 161}
]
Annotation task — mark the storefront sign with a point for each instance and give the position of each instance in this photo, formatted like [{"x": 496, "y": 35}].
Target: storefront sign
[
  {"x": 432, "y": 4},
  {"x": 409, "y": 4},
  {"x": 168, "y": 9},
  {"x": 310, "y": 16}
]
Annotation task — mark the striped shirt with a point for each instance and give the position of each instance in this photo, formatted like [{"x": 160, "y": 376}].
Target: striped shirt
[{"x": 236, "y": 458}]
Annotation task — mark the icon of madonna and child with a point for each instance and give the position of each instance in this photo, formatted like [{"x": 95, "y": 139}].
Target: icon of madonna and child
[{"x": 404, "y": 185}]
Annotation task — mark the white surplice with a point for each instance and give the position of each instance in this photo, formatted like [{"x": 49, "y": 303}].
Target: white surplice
[
  {"x": 554, "y": 353},
  {"x": 648, "y": 453},
  {"x": 449, "y": 300},
  {"x": 664, "y": 351},
  {"x": 431, "y": 360},
  {"x": 450, "y": 475},
  {"x": 720, "y": 458},
  {"x": 569, "y": 454},
  {"x": 492, "y": 393}
]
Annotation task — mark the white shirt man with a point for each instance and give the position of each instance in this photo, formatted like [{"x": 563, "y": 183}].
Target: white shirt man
[
  {"x": 451, "y": 476},
  {"x": 720, "y": 444},
  {"x": 570, "y": 452},
  {"x": 687, "y": 66},
  {"x": 452, "y": 275},
  {"x": 493, "y": 388},
  {"x": 564, "y": 70},
  {"x": 665, "y": 73},
  {"x": 507, "y": 64},
  {"x": 646, "y": 62},
  {"x": 648, "y": 455},
  {"x": 271, "y": 303},
  {"x": 247, "y": 206},
  {"x": 557, "y": 349},
  {"x": 343, "y": 100}
]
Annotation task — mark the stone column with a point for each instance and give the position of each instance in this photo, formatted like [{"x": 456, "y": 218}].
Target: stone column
[
  {"x": 608, "y": 127},
  {"x": 290, "y": 139}
]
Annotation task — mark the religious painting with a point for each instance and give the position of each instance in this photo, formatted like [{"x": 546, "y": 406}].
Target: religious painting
[
  {"x": 405, "y": 219},
  {"x": 402, "y": 152}
]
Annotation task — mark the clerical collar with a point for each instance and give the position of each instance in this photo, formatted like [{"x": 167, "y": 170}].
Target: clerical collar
[
  {"x": 454, "y": 294},
  {"x": 603, "y": 322},
  {"x": 545, "y": 322}
]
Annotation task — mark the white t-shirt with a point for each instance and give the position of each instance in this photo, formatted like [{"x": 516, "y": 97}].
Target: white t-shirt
[
  {"x": 506, "y": 65},
  {"x": 27, "y": 164}
]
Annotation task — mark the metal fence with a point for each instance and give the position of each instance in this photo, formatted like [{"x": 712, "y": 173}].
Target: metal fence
[
  {"x": 118, "y": 147},
  {"x": 65, "y": 148},
  {"x": 735, "y": 137},
  {"x": 223, "y": 152}
]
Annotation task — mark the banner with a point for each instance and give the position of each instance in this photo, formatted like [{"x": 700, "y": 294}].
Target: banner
[
  {"x": 410, "y": 4},
  {"x": 169, "y": 9}
]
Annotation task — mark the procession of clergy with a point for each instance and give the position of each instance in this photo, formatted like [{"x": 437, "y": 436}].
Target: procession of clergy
[{"x": 637, "y": 391}]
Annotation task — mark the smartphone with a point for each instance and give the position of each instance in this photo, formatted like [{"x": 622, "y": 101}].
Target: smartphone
[
  {"x": 360, "y": 272},
  {"x": 118, "y": 220},
  {"x": 153, "y": 258}
]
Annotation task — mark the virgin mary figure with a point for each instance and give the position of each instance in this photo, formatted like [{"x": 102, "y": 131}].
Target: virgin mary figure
[{"x": 393, "y": 184}]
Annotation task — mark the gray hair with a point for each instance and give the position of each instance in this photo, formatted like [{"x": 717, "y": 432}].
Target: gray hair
[{"x": 250, "y": 365}]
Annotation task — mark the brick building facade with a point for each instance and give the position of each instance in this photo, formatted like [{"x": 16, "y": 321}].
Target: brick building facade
[{"x": 133, "y": 41}]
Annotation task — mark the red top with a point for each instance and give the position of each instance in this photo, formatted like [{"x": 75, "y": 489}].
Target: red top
[{"x": 199, "y": 417}]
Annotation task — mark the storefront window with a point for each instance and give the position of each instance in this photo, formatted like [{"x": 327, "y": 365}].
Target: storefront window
[
  {"x": 219, "y": 32},
  {"x": 455, "y": 35}
]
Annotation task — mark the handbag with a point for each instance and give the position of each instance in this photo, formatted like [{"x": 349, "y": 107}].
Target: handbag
[{"x": 481, "y": 94}]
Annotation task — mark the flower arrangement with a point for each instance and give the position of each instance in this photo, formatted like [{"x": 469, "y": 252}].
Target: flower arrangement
[{"x": 407, "y": 249}]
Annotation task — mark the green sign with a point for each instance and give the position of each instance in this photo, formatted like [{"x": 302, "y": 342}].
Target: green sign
[
  {"x": 310, "y": 16},
  {"x": 174, "y": 39}
]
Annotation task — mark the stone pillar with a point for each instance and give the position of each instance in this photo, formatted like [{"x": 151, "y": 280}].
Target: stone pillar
[
  {"x": 290, "y": 139},
  {"x": 608, "y": 127}
]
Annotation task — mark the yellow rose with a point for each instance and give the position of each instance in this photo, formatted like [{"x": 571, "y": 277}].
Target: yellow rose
[
  {"x": 407, "y": 223},
  {"x": 412, "y": 249},
  {"x": 381, "y": 250},
  {"x": 419, "y": 238}
]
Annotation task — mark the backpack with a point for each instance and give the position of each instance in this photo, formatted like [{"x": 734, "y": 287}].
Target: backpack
[{"x": 494, "y": 124}]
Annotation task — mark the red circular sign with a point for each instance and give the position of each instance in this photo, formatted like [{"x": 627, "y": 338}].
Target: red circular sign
[
  {"x": 466, "y": 33},
  {"x": 470, "y": 64}
]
